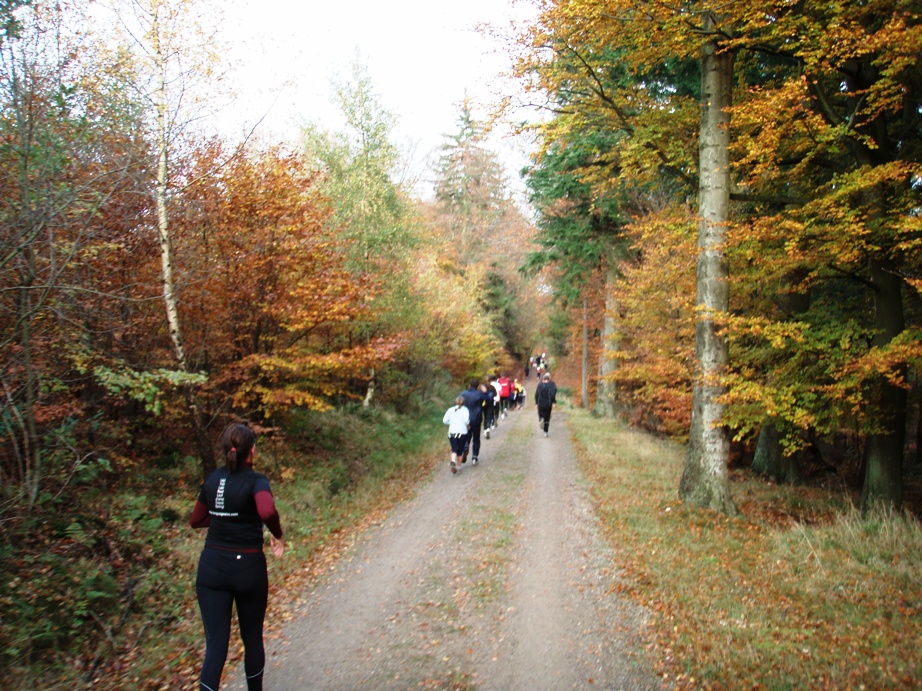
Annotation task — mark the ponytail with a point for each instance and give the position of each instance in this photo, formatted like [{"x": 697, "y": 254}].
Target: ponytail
[
  {"x": 230, "y": 459},
  {"x": 237, "y": 443}
]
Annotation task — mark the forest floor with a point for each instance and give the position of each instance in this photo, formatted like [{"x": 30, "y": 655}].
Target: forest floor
[{"x": 494, "y": 578}]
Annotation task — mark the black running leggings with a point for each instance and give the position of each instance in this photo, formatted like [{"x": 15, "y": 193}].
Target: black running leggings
[{"x": 225, "y": 578}]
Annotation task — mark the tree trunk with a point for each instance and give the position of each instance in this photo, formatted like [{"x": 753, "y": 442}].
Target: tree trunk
[
  {"x": 369, "y": 394},
  {"x": 883, "y": 480},
  {"x": 705, "y": 480},
  {"x": 31, "y": 441},
  {"x": 30, "y": 221},
  {"x": 770, "y": 458},
  {"x": 203, "y": 444},
  {"x": 584, "y": 403},
  {"x": 605, "y": 403}
]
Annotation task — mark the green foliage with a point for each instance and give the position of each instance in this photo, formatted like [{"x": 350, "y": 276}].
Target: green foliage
[
  {"x": 577, "y": 224},
  {"x": 54, "y": 603},
  {"x": 145, "y": 387},
  {"x": 361, "y": 167},
  {"x": 558, "y": 331},
  {"x": 11, "y": 26},
  {"x": 470, "y": 189},
  {"x": 68, "y": 597},
  {"x": 501, "y": 305}
]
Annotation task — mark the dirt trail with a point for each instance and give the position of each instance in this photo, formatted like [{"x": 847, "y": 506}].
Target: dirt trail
[{"x": 494, "y": 578}]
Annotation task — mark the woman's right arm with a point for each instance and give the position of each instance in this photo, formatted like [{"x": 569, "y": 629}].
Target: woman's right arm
[{"x": 265, "y": 505}]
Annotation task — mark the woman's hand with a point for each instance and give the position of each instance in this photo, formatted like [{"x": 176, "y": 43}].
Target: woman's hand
[{"x": 278, "y": 545}]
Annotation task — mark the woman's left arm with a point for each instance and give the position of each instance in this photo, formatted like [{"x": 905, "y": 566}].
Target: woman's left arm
[{"x": 200, "y": 516}]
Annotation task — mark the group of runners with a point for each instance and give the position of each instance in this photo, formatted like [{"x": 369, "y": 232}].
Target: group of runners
[
  {"x": 235, "y": 502},
  {"x": 481, "y": 407}
]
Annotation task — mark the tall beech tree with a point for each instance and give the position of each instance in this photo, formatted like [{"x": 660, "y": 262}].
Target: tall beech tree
[
  {"x": 705, "y": 478},
  {"x": 642, "y": 98},
  {"x": 830, "y": 151}
]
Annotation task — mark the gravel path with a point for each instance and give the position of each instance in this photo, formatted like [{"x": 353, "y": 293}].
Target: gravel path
[{"x": 495, "y": 578}]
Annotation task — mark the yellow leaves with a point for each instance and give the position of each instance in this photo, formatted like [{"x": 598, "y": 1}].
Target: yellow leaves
[
  {"x": 777, "y": 334},
  {"x": 889, "y": 361},
  {"x": 656, "y": 294},
  {"x": 300, "y": 376}
]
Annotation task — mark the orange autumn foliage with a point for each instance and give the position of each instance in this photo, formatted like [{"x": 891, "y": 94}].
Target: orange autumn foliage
[
  {"x": 657, "y": 330},
  {"x": 270, "y": 305}
]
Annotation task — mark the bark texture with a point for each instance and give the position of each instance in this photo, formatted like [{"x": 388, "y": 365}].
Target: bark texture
[
  {"x": 705, "y": 480},
  {"x": 883, "y": 479},
  {"x": 605, "y": 402}
]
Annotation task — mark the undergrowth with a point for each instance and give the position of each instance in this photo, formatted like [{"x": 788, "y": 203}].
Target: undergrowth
[
  {"x": 97, "y": 590},
  {"x": 798, "y": 592}
]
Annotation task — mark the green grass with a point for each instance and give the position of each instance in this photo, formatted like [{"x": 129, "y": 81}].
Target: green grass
[{"x": 799, "y": 592}]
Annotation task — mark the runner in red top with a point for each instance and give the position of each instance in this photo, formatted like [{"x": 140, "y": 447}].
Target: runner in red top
[{"x": 505, "y": 393}]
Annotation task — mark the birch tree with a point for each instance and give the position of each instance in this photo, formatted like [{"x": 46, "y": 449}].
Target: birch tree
[{"x": 177, "y": 57}]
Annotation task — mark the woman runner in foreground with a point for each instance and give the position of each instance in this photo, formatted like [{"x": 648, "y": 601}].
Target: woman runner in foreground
[{"x": 234, "y": 503}]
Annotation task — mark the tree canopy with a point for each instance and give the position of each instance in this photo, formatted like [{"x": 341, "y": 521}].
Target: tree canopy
[{"x": 823, "y": 162}]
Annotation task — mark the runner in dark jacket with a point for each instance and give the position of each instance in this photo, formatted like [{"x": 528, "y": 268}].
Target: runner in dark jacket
[
  {"x": 475, "y": 400},
  {"x": 234, "y": 504},
  {"x": 489, "y": 408},
  {"x": 545, "y": 398}
]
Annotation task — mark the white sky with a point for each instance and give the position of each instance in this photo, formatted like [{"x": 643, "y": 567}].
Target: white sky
[{"x": 422, "y": 56}]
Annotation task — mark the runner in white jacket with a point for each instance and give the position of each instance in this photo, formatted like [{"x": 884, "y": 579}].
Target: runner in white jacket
[{"x": 458, "y": 419}]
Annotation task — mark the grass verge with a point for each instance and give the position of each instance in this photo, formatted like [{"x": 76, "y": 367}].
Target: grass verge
[{"x": 799, "y": 592}]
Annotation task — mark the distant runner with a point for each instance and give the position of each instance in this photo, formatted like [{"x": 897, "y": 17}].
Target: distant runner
[
  {"x": 545, "y": 398},
  {"x": 497, "y": 401},
  {"x": 489, "y": 408}
]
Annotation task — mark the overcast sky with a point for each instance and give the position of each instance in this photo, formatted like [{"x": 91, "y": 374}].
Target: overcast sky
[{"x": 421, "y": 55}]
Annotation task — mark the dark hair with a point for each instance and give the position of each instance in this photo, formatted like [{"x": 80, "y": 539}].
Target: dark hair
[
  {"x": 237, "y": 442},
  {"x": 475, "y": 383}
]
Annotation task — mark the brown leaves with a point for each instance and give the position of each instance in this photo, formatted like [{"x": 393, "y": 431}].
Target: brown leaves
[{"x": 268, "y": 296}]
